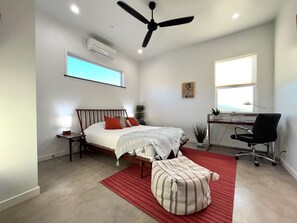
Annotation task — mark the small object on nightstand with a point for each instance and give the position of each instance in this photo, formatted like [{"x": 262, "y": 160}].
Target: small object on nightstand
[
  {"x": 68, "y": 132},
  {"x": 71, "y": 138}
]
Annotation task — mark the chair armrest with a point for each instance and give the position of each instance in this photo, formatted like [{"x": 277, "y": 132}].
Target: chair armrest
[{"x": 243, "y": 128}]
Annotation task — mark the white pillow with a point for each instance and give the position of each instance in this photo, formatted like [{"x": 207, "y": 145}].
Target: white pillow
[{"x": 97, "y": 126}]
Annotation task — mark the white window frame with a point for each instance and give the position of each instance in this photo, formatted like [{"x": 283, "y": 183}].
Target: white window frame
[
  {"x": 254, "y": 84},
  {"x": 68, "y": 53}
]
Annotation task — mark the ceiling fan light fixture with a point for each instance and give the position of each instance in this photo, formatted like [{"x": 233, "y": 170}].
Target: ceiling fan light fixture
[
  {"x": 235, "y": 15},
  {"x": 140, "y": 51},
  {"x": 74, "y": 8}
]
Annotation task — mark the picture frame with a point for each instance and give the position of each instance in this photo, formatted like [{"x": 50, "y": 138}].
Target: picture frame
[{"x": 188, "y": 90}]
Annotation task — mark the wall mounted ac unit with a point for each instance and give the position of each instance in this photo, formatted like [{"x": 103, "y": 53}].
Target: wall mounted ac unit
[{"x": 100, "y": 48}]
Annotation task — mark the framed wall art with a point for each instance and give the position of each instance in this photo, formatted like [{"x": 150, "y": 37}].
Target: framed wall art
[{"x": 188, "y": 89}]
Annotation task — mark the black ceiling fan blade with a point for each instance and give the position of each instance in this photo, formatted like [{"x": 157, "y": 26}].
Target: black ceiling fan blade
[
  {"x": 130, "y": 10},
  {"x": 175, "y": 22},
  {"x": 147, "y": 38}
]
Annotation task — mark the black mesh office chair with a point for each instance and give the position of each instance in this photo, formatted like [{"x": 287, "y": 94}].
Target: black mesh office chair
[{"x": 263, "y": 132}]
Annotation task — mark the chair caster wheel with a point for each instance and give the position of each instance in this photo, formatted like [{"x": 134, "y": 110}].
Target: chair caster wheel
[
  {"x": 273, "y": 164},
  {"x": 236, "y": 157},
  {"x": 256, "y": 164}
]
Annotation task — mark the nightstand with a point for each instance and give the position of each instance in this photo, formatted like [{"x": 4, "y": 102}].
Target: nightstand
[{"x": 72, "y": 138}]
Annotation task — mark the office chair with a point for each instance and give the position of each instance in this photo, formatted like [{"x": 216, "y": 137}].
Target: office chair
[{"x": 263, "y": 132}]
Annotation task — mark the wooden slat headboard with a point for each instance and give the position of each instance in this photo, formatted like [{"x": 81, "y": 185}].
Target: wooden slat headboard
[{"x": 88, "y": 117}]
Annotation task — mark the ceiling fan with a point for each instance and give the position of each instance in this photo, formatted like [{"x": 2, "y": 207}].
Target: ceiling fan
[{"x": 152, "y": 25}]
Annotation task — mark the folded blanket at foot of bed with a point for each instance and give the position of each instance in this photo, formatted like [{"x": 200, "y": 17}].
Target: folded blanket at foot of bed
[{"x": 164, "y": 140}]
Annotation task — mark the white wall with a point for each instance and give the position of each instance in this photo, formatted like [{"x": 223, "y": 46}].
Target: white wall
[
  {"x": 286, "y": 82},
  {"x": 58, "y": 96},
  {"x": 161, "y": 79},
  {"x": 18, "y": 143}
]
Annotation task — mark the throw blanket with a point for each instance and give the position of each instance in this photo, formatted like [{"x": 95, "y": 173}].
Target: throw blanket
[{"x": 164, "y": 140}]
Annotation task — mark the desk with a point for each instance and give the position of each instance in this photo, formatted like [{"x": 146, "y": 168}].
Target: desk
[{"x": 228, "y": 119}]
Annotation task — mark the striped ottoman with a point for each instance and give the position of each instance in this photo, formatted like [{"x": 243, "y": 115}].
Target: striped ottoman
[{"x": 181, "y": 186}]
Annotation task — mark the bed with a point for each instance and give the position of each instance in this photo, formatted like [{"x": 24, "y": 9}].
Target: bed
[{"x": 97, "y": 138}]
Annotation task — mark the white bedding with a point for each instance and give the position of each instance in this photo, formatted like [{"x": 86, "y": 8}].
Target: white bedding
[
  {"x": 165, "y": 141},
  {"x": 97, "y": 134}
]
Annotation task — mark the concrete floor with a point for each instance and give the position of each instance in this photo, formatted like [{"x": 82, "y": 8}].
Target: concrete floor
[{"x": 71, "y": 192}]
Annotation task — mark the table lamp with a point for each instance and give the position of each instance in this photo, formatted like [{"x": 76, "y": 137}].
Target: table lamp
[
  {"x": 66, "y": 124},
  {"x": 249, "y": 103}
]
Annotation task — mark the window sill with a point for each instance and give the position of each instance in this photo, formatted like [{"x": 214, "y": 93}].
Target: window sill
[{"x": 98, "y": 82}]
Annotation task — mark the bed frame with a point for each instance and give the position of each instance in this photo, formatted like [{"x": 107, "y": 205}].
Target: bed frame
[{"x": 88, "y": 117}]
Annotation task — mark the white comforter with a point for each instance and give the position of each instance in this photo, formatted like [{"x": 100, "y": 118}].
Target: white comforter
[{"x": 97, "y": 134}]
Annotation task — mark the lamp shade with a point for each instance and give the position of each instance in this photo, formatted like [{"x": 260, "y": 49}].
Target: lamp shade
[
  {"x": 249, "y": 103},
  {"x": 66, "y": 121}
]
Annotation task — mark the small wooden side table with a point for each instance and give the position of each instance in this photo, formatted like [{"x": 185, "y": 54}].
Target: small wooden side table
[{"x": 72, "y": 138}]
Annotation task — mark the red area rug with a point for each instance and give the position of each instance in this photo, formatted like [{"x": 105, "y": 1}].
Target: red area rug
[{"x": 129, "y": 186}]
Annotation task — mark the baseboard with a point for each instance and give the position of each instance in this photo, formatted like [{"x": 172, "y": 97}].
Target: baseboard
[
  {"x": 192, "y": 141},
  {"x": 53, "y": 155},
  {"x": 19, "y": 198},
  {"x": 289, "y": 168}
]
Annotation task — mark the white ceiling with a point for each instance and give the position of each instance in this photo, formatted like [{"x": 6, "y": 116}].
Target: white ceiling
[{"x": 213, "y": 18}]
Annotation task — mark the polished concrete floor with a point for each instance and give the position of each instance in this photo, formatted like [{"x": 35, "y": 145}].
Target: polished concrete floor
[{"x": 71, "y": 192}]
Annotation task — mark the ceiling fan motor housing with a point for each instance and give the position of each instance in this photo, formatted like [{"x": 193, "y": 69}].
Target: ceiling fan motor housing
[{"x": 152, "y": 25}]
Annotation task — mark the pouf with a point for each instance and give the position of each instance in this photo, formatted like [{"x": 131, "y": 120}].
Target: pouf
[{"x": 181, "y": 186}]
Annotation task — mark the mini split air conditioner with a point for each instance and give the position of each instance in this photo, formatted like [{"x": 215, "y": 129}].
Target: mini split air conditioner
[{"x": 100, "y": 48}]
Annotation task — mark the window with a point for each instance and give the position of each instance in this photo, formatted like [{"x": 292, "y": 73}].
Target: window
[
  {"x": 86, "y": 70},
  {"x": 235, "y": 82}
]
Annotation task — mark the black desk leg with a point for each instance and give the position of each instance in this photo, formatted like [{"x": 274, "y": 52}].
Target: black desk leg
[
  {"x": 80, "y": 148},
  {"x": 70, "y": 150}
]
